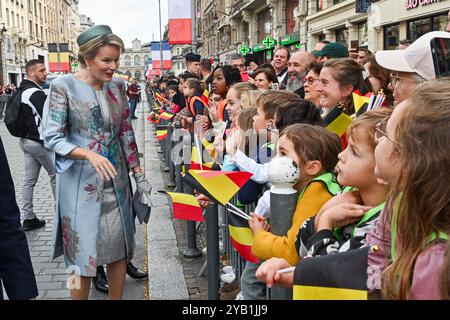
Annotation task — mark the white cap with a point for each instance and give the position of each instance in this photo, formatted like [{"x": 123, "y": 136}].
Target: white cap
[{"x": 416, "y": 58}]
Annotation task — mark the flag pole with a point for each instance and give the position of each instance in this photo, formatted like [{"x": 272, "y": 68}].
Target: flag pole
[
  {"x": 160, "y": 41},
  {"x": 194, "y": 26}
]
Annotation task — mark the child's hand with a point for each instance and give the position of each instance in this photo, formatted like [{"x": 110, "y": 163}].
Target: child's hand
[
  {"x": 203, "y": 200},
  {"x": 341, "y": 215},
  {"x": 267, "y": 272},
  {"x": 213, "y": 112},
  {"x": 219, "y": 144},
  {"x": 258, "y": 223},
  {"x": 346, "y": 197}
]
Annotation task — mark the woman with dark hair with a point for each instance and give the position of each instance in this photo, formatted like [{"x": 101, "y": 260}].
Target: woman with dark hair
[
  {"x": 379, "y": 79},
  {"x": 223, "y": 78},
  {"x": 264, "y": 78},
  {"x": 339, "y": 78}
]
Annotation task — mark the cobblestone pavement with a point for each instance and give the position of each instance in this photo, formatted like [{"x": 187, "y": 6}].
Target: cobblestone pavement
[{"x": 51, "y": 276}]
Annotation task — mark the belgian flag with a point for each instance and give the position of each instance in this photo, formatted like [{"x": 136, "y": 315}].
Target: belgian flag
[
  {"x": 161, "y": 135},
  {"x": 241, "y": 237},
  {"x": 219, "y": 186},
  {"x": 161, "y": 98},
  {"x": 361, "y": 103},
  {"x": 340, "y": 276},
  {"x": 205, "y": 97},
  {"x": 166, "y": 115},
  {"x": 209, "y": 147},
  {"x": 337, "y": 121},
  {"x": 197, "y": 162},
  {"x": 186, "y": 207}
]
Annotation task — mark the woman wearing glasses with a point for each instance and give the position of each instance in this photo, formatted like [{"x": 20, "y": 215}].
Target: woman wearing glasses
[{"x": 310, "y": 83}]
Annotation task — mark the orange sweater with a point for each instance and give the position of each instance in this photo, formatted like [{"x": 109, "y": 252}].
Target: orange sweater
[{"x": 267, "y": 245}]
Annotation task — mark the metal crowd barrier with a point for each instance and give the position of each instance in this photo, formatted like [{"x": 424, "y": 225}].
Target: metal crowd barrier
[{"x": 216, "y": 222}]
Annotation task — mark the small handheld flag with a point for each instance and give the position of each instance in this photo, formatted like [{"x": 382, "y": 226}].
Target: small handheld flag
[
  {"x": 161, "y": 134},
  {"x": 219, "y": 186},
  {"x": 241, "y": 237},
  {"x": 337, "y": 121},
  {"x": 186, "y": 207}
]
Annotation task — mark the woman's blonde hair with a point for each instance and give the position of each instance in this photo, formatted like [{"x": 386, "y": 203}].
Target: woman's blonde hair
[
  {"x": 247, "y": 93},
  {"x": 422, "y": 139},
  {"x": 90, "y": 49}
]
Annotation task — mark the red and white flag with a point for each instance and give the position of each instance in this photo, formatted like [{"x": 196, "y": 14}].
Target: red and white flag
[{"x": 180, "y": 22}]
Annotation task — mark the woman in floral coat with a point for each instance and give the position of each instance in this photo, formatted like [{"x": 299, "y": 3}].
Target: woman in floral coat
[{"x": 87, "y": 124}]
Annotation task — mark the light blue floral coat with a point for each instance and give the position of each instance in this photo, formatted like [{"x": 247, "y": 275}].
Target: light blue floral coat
[{"x": 73, "y": 118}]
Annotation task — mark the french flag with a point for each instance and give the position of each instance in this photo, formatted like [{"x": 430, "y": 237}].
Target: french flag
[
  {"x": 166, "y": 55},
  {"x": 149, "y": 69},
  {"x": 180, "y": 22}
]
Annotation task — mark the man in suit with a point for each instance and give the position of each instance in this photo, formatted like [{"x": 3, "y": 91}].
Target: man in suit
[{"x": 16, "y": 270}]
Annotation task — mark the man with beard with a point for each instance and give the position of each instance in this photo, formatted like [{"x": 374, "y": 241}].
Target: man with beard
[{"x": 297, "y": 70}]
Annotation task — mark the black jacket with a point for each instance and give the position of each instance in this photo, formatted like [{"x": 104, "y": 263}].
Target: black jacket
[
  {"x": 16, "y": 270},
  {"x": 37, "y": 99}
]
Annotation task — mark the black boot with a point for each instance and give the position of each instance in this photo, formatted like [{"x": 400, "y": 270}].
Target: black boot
[
  {"x": 100, "y": 281},
  {"x": 135, "y": 272}
]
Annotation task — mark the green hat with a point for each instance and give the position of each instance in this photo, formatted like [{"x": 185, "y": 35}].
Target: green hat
[
  {"x": 333, "y": 50},
  {"x": 92, "y": 33}
]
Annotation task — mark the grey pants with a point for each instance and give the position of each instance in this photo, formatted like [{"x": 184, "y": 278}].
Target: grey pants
[
  {"x": 251, "y": 287},
  {"x": 36, "y": 156}
]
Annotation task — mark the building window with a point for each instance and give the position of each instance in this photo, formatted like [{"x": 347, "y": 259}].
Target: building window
[
  {"x": 291, "y": 10},
  {"x": 264, "y": 25},
  {"x": 363, "y": 35},
  {"x": 417, "y": 28},
  {"x": 127, "y": 61},
  {"x": 137, "y": 60},
  {"x": 391, "y": 37},
  {"x": 137, "y": 75},
  {"x": 342, "y": 36},
  {"x": 146, "y": 58}
]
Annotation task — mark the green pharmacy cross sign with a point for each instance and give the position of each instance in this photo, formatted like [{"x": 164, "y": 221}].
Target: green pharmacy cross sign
[
  {"x": 244, "y": 50},
  {"x": 269, "y": 42}
]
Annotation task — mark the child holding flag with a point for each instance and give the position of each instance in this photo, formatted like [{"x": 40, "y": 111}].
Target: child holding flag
[
  {"x": 315, "y": 150},
  {"x": 343, "y": 222}
]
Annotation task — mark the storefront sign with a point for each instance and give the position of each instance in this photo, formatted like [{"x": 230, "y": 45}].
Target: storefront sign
[
  {"x": 267, "y": 44},
  {"x": 412, "y": 4},
  {"x": 290, "y": 39},
  {"x": 244, "y": 50}
]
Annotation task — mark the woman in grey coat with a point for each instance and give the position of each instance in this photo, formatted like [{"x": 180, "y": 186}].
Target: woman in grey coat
[{"x": 87, "y": 124}]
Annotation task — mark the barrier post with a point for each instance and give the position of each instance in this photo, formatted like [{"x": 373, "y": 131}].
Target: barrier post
[
  {"x": 283, "y": 174},
  {"x": 212, "y": 251}
]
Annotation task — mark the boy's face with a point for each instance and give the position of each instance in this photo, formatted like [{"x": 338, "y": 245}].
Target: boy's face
[
  {"x": 259, "y": 120},
  {"x": 356, "y": 166},
  {"x": 386, "y": 167}
]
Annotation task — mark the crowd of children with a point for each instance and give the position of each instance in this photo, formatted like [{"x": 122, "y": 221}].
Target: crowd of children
[{"x": 380, "y": 183}]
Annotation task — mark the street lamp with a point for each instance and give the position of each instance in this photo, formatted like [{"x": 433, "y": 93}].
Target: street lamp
[{"x": 3, "y": 31}]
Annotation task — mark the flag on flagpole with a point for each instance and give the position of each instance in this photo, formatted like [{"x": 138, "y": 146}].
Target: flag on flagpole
[
  {"x": 220, "y": 185},
  {"x": 341, "y": 276},
  {"x": 161, "y": 134},
  {"x": 186, "y": 207},
  {"x": 241, "y": 237},
  {"x": 337, "y": 121},
  {"x": 166, "y": 55},
  {"x": 180, "y": 22}
]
